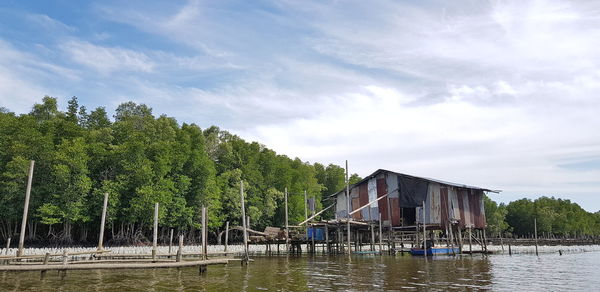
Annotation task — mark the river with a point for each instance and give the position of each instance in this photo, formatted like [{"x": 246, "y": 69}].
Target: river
[{"x": 521, "y": 272}]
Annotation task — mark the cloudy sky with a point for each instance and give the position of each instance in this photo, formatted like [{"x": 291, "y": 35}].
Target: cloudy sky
[{"x": 498, "y": 94}]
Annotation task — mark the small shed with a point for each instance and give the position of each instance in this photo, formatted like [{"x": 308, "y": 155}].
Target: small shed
[{"x": 444, "y": 202}]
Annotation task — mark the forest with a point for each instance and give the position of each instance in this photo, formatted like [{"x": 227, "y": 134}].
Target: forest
[{"x": 139, "y": 159}]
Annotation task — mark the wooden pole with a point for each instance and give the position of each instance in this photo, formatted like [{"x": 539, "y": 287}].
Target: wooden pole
[
  {"x": 424, "y": 231},
  {"x": 102, "y": 222},
  {"x": 389, "y": 215},
  {"x": 536, "y": 236},
  {"x": 64, "y": 257},
  {"x": 313, "y": 238},
  {"x": 460, "y": 239},
  {"x": 501, "y": 243},
  {"x": 204, "y": 233},
  {"x": 380, "y": 234},
  {"x": 170, "y": 242},
  {"x": 327, "y": 238},
  {"x": 451, "y": 239},
  {"x": 155, "y": 237},
  {"x": 226, "y": 235},
  {"x": 25, "y": 210},
  {"x": 348, "y": 207},
  {"x": 244, "y": 221},
  {"x": 7, "y": 245},
  {"x": 484, "y": 241},
  {"x": 470, "y": 240},
  {"x": 305, "y": 206},
  {"x": 180, "y": 250},
  {"x": 287, "y": 231}
]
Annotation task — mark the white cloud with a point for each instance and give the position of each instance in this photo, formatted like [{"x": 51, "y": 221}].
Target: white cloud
[{"x": 107, "y": 59}]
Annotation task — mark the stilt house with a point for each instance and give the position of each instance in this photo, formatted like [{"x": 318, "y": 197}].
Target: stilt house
[{"x": 409, "y": 200}]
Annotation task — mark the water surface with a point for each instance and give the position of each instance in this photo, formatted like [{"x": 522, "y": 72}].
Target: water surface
[{"x": 548, "y": 272}]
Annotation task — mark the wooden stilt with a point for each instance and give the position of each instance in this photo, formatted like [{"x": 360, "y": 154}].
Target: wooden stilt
[
  {"x": 155, "y": 235},
  {"x": 25, "y": 210},
  {"x": 226, "y": 235},
  {"x": 102, "y": 222},
  {"x": 245, "y": 260}
]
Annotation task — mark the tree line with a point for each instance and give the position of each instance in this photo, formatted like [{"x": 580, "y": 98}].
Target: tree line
[
  {"x": 554, "y": 218},
  {"x": 140, "y": 159}
]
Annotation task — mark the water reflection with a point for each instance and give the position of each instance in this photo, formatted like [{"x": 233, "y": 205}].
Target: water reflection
[{"x": 334, "y": 273}]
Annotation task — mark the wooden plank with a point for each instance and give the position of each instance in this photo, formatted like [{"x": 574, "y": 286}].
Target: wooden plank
[{"x": 101, "y": 266}]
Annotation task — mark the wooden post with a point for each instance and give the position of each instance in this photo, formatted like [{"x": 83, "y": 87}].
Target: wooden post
[
  {"x": 348, "y": 207},
  {"x": 170, "y": 242},
  {"x": 25, "y": 210},
  {"x": 180, "y": 250},
  {"x": 380, "y": 234},
  {"x": 305, "y": 206},
  {"x": 155, "y": 236},
  {"x": 509, "y": 249},
  {"x": 470, "y": 240},
  {"x": 226, "y": 235},
  {"x": 372, "y": 236},
  {"x": 46, "y": 258},
  {"x": 102, "y": 222},
  {"x": 314, "y": 232},
  {"x": 460, "y": 240},
  {"x": 501, "y": 243},
  {"x": 7, "y": 245},
  {"x": 327, "y": 238},
  {"x": 287, "y": 231},
  {"x": 484, "y": 241},
  {"x": 203, "y": 233},
  {"x": 424, "y": 231},
  {"x": 64, "y": 257},
  {"x": 451, "y": 238},
  {"x": 536, "y": 236},
  {"x": 244, "y": 223}
]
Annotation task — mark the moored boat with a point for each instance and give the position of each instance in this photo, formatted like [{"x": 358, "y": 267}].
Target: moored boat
[{"x": 436, "y": 250}]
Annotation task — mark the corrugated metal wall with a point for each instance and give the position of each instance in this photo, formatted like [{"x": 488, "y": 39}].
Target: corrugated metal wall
[{"x": 443, "y": 203}]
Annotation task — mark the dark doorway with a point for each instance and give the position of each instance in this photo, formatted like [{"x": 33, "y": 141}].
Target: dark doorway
[{"x": 408, "y": 216}]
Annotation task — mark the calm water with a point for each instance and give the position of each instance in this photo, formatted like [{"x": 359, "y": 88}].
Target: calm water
[{"x": 548, "y": 272}]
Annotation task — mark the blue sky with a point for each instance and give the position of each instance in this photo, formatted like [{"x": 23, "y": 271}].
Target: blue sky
[{"x": 498, "y": 94}]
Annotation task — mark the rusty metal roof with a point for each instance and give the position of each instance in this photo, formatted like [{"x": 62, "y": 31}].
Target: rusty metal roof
[{"x": 374, "y": 174}]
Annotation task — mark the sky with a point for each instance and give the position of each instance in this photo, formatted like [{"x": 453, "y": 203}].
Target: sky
[{"x": 496, "y": 94}]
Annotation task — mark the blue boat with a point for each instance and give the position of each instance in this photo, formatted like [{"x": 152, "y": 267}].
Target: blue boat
[{"x": 434, "y": 251}]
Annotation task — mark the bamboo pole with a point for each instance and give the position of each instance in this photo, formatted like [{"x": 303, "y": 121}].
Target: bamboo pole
[
  {"x": 244, "y": 221},
  {"x": 287, "y": 231},
  {"x": 155, "y": 236},
  {"x": 348, "y": 207},
  {"x": 25, "y": 210},
  {"x": 226, "y": 235},
  {"x": 102, "y": 223}
]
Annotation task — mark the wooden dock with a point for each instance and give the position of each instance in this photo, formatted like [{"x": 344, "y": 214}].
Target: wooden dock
[{"x": 116, "y": 265}]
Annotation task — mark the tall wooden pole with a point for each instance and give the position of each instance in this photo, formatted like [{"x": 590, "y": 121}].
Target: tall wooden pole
[
  {"x": 244, "y": 221},
  {"x": 380, "y": 234},
  {"x": 536, "y": 236},
  {"x": 424, "y": 231},
  {"x": 155, "y": 237},
  {"x": 287, "y": 232},
  {"x": 25, "y": 210},
  {"x": 170, "y": 241},
  {"x": 348, "y": 207},
  {"x": 305, "y": 206},
  {"x": 203, "y": 232},
  {"x": 102, "y": 222},
  {"x": 226, "y": 235}
]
